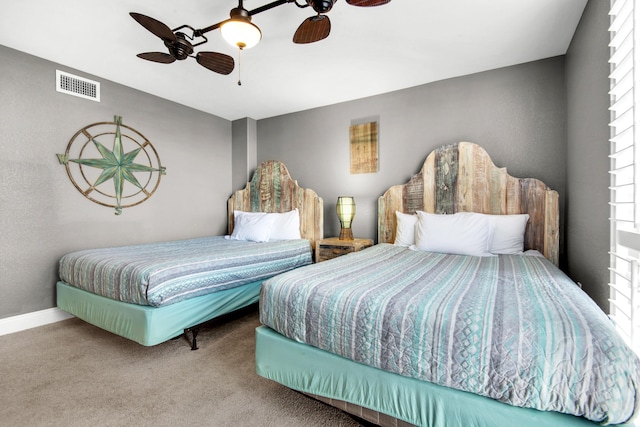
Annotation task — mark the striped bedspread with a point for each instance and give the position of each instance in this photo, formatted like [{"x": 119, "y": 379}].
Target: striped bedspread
[
  {"x": 512, "y": 328},
  {"x": 163, "y": 273}
]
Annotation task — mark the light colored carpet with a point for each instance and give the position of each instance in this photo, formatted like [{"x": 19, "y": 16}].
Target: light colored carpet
[{"x": 73, "y": 374}]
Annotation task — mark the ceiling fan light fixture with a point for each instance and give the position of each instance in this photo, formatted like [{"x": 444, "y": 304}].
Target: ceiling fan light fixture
[{"x": 239, "y": 31}]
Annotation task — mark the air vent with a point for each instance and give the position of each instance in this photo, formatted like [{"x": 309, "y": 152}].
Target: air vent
[{"x": 77, "y": 86}]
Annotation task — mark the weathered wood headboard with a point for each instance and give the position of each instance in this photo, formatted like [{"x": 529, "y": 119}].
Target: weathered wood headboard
[
  {"x": 272, "y": 189},
  {"x": 462, "y": 178}
]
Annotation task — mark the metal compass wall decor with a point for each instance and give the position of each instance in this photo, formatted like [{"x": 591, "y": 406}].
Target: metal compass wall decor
[{"x": 119, "y": 177}]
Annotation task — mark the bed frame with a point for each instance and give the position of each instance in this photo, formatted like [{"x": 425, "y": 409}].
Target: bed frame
[
  {"x": 462, "y": 178},
  {"x": 271, "y": 189},
  {"x": 454, "y": 178}
]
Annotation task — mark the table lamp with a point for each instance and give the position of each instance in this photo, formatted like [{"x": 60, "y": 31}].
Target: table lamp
[{"x": 346, "y": 209}]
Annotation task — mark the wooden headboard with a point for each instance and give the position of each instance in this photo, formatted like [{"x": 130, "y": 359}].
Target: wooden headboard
[
  {"x": 272, "y": 189},
  {"x": 462, "y": 178}
]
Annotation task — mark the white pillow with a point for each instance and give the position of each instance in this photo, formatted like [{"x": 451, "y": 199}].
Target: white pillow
[
  {"x": 405, "y": 229},
  {"x": 286, "y": 225},
  {"x": 508, "y": 234},
  {"x": 454, "y": 234},
  {"x": 252, "y": 226}
]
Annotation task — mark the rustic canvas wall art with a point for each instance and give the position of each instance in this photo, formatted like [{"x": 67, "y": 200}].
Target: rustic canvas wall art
[{"x": 364, "y": 147}]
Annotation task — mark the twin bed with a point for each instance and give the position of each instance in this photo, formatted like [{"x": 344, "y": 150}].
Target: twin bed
[
  {"x": 461, "y": 319},
  {"x": 153, "y": 292}
]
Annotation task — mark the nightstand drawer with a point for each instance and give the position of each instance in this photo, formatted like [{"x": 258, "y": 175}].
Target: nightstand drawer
[
  {"x": 329, "y": 251},
  {"x": 333, "y": 247}
]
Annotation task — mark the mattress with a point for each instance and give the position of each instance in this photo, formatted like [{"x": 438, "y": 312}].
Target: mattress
[
  {"x": 511, "y": 328},
  {"x": 158, "y": 274}
]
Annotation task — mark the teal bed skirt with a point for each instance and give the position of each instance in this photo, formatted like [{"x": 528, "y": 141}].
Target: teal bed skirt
[
  {"x": 148, "y": 325},
  {"x": 310, "y": 370}
]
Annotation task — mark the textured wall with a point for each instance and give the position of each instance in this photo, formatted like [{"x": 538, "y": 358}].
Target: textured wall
[
  {"x": 518, "y": 114},
  {"x": 43, "y": 216},
  {"x": 243, "y": 151},
  {"x": 587, "y": 210}
]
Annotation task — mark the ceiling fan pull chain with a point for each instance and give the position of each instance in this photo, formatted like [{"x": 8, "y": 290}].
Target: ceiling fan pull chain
[{"x": 239, "y": 65}]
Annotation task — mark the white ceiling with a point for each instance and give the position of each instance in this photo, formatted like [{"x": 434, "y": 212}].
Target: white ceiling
[{"x": 369, "y": 51}]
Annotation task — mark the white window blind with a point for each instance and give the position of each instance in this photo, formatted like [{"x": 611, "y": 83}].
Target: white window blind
[{"x": 624, "y": 172}]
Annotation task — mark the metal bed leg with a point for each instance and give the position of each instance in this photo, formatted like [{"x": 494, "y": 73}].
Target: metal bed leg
[{"x": 194, "y": 334}]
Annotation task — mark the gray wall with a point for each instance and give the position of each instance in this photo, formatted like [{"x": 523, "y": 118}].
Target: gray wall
[
  {"x": 244, "y": 147},
  {"x": 587, "y": 212},
  {"x": 518, "y": 114},
  {"x": 43, "y": 216}
]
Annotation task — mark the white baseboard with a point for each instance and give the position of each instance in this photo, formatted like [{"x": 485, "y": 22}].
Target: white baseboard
[{"x": 34, "y": 319}]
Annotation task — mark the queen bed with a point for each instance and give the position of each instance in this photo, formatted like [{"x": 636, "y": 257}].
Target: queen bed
[
  {"x": 153, "y": 292},
  {"x": 458, "y": 317}
]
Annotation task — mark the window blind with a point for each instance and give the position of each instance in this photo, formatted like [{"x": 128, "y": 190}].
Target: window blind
[{"x": 624, "y": 173}]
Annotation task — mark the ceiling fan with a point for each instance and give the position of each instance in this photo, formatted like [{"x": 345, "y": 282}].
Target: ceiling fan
[{"x": 238, "y": 31}]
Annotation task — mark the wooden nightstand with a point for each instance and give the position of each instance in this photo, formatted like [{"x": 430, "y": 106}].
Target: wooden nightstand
[{"x": 333, "y": 247}]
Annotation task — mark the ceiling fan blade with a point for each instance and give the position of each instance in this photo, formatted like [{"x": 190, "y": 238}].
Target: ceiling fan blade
[
  {"x": 367, "y": 3},
  {"x": 215, "y": 61},
  {"x": 161, "y": 57},
  {"x": 313, "y": 29},
  {"x": 155, "y": 26}
]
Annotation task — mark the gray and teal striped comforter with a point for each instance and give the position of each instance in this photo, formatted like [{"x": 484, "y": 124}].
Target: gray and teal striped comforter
[
  {"x": 158, "y": 274},
  {"x": 513, "y": 328}
]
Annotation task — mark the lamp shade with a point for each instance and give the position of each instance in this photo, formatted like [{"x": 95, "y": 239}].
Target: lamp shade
[
  {"x": 240, "y": 32},
  {"x": 346, "y": 210}
]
